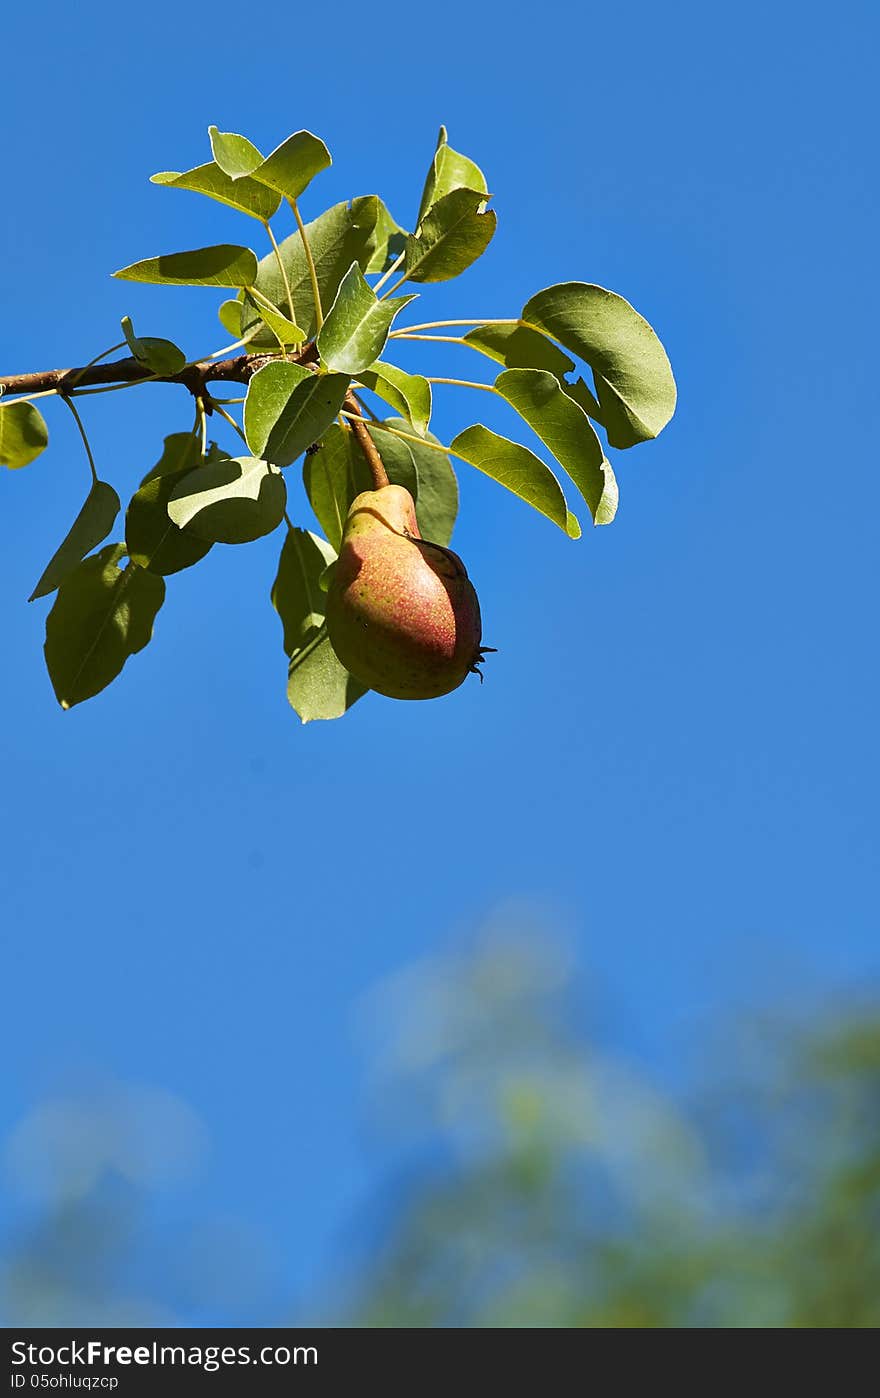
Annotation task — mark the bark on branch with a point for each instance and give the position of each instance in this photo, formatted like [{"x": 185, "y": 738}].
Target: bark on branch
[{"x": 239, "y": 369}]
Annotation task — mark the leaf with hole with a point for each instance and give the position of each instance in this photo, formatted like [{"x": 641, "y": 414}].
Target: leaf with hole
[
  {"x": 565, "y": 430},
  {"x": 518, "y": 469},
  {"x": 223, "y": 265},
  {"x": 23, "y": 434},
  {"x": 453, "y": 234},
  {"x": 229, "y": 501},
  {"x": 235, "y": 154},
  {"x": 293, "y": 165},
  {"x": 159, "y": 356},
  {"x": 410, "y": 394},
  {"x": 102, "y": 615},
  {"x": 356, "y": 326},
  {"x": 632, "y": 374},
  {"x": 288, "y": 408},
  {"x": 89, "y": 529},
  {"x": 449, "y": 170},
  {"x": 244, "y": 194}
]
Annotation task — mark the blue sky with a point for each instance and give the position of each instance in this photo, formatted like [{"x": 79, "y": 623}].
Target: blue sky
[{"x": 674, "y": 750}]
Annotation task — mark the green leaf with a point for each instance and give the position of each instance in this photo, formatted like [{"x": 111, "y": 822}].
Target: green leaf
[
  {"x": 159, "y": 356},
  {"x": 223, "y": 265},
  {"x": 344, "y": 234},
  {"x": 518, "y": 469},
  {"x": 245, "y": 195},
  {"x": 229, "y": 315},
  {"x": 229, "y": 501},
  {"x": 235, "y": 154},
  {"x": 453, "y": 234},
  {"x": 288, "y": 408},
  {"x": 102, "y": 615},
  {"x": 633, "y": 378},
  {"x": 333, "y": 476},
  {"x": 296, "y": 592},
  {"x": 357, "y": 324},
  {"x": 449, "y": 170},
  {"x": 386, "y": 242},
  {"x": 286, "y": 331},
  {"x": 318, "y": 686},
  {"x": 90, "y": 528},
  {"x": 518, "y": 346},
  {"x": 293, "y": 164},
  {"x": 436, "y": 493},
  {"x": 23, "y": 434},
  {"x": 152, "y": 538},
  {"x": 563, "y": 427},
  {"x": 410, "y": 394}
]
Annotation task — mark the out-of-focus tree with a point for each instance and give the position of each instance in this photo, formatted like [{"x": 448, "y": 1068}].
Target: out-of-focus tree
[{"x": 551, "y": 1186}]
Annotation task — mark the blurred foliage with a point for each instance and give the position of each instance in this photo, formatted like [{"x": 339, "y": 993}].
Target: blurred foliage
[
  {"x": 551, "y": 1186},
  {"x": 537, "y": 1180}
]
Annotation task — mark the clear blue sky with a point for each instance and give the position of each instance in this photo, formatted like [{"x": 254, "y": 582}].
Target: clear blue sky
[{"x": 675, "y": 747}]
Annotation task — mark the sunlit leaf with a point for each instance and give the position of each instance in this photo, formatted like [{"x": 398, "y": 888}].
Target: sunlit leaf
[
  {"x": 565, "y": 430},
  {"x": 436, "y": 493},
  {"x": 518, "y": 346},
  {"x": 159, "y": 356},
  {"x": 333, "y": 476},
  {"x": 288, "y": 408},
  {"x": 235, "y": 154},
  {"x": 410, "y": 394},
  {"x": 23, "y": 434},
  {"x": 449, "y": 170},
  {"x": 518, "y": 469},
  {"x": 634, "y": 382},
  {"x": 296, "y": 593},
  {"x": 385, "y": 243},
  {"x": 230, "y": 501},
  {"x": 344, "y": 234},
  {"x": 356, "y": 326},
  {"x": 281, "y": 325},
  {"x": 318, "y": 685},
  {"x": 452, "y": 235},
  {"x": 151, "y": 535},
  {"x": 293, "y": 164},
  {"x": 101, "y": 616},
  {"x": 223, "y": 265},
  {"x": 245, "y": 195},
  {"x": 229, "y": 315},
  {"x": 90, "y": 528}
]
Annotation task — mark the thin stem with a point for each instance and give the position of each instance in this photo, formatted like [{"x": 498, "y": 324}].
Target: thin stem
[
  {"x": 203, "y": 423},
  {"x": 288, "y": 521},
  {"x": 436, "y": 324},
  {"x": 450, "y": 339},
  {"x": 390, "y": 273},
  {"x": 282, "y": 269},
  {"x": 97, "y": 359},
  {"x": 229, "y": 418},
  {"x": 27, "y": 397},
  {"x": 396, "y": 287},
  {"x": 310, "y": 262},
  {"x": 82, "y": 433},
  {"x": 407, "y": 436},
  {"x": 365, "y": 408},
  {"x": 467, "y": 383}
]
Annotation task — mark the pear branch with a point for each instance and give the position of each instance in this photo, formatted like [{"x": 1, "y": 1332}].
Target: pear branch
[
  {"x": 365, "y": 442},
  {"x": 240, "y": 369}
]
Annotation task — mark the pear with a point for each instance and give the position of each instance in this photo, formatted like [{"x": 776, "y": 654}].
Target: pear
[{"x": 402, "y": 614}]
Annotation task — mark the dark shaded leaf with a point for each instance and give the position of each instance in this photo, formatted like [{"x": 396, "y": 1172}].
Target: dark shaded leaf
[
  {"x": 101, "y": 616},
  {"x": 90, "y": 528},
  {"x": 159, "y": 356},
  {"x": 288, "y": 408}
]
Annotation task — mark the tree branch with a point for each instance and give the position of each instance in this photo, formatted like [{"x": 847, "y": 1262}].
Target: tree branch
[{"x": 239, "y": 369}]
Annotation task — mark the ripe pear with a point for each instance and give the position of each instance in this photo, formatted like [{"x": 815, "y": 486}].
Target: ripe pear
[{"x": 402, "y": 614}]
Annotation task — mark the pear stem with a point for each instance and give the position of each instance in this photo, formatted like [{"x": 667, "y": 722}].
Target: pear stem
[{"x": 365, "y": 442}]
